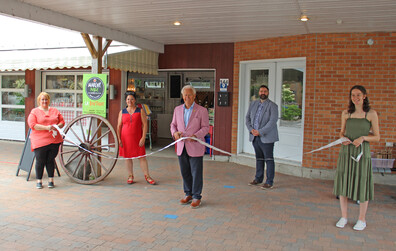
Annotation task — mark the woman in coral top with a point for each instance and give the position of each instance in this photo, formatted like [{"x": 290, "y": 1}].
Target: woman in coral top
[{"x": 45, "y": 139}]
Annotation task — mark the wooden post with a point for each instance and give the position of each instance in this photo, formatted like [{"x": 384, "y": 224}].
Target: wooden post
[{"x": 97, "y": 52}]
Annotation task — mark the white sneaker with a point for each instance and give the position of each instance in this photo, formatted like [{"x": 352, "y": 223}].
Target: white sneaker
[
  {"x": 341, "y": 223},
  {"x": 360, "y": 225}
]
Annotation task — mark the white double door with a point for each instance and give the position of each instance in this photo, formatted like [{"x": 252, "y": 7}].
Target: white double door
[{"x": 286, "y": 81}]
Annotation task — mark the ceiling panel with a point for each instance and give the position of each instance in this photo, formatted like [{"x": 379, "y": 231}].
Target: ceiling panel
[{"x": 213, "y": 21}]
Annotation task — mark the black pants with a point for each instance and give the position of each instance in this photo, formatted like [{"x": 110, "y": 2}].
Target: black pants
[{"x": 45, "y": 156}]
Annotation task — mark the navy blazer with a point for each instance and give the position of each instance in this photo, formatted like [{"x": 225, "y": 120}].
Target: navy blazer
[{"x": 268, "y": 128}]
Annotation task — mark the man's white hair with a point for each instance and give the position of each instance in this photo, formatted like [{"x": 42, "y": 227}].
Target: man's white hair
[{"x": 188, "y": 87}]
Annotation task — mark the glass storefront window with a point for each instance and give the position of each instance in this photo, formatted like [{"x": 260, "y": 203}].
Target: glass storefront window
[
  {"x": 62, "y": 99},
  {"x": 257, "y": 78},
  {"x": 79, "y": 100},
  {"x": 60, "y": 82},
  {"x": 13, "y": 81},
  {"x": 292, "y": 93},
  {"x": 12, "y": 98},
  {"x": 12, "y": 103},
  {"x": 13, "y": 114},
  {"x": 79, "y": 82}
]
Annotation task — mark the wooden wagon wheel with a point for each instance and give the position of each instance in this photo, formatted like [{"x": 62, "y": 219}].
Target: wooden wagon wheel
[{"x": 90, "y": 132}]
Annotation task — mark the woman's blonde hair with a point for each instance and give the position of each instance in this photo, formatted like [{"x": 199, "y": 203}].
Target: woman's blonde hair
[{"x": 43, "y": 94}]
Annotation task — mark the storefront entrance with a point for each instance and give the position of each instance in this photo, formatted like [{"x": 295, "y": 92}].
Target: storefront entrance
[
  {"x": 162, "y": 93},
  {"x": 286, "y": 82}
]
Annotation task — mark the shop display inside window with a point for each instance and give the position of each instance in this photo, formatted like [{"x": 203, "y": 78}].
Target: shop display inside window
[
  {"x": 200, "y": 84},
  {"x": 149, "y": 92}
]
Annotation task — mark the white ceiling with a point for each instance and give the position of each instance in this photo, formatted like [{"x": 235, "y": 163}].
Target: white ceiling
[{"x": 148, "y": 24}]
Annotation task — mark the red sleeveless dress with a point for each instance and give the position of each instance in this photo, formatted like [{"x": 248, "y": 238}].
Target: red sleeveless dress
[{"x": 131, "y": 133}]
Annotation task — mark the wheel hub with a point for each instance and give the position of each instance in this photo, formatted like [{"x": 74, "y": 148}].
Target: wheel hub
[{"x": 85, "y": 146}]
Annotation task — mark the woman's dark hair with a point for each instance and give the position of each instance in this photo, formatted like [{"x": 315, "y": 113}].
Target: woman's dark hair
[
  {"x": 130, "y": 93},
  {"x": 366, "y": 103}
]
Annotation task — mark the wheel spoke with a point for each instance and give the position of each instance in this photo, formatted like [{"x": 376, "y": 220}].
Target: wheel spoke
[
  {"x": 70, "y": 160},
  {"x": 71, "y": 142},
  {"x": 89, "y": 128},
  {"x": 92, "y": 168},
  {"x": 78, "y": 166},
  {"x": 104, "y": 134},
  {"x": 100, "y": 163},
  {"x": 100, "y": 146},
  {"x": 96, "y": 131},
  {"x": 100, "y": 154},
  {"x": 82, "y": 130},
  {"x": 75, "y": 134},
  {"x": 85, "y": 167},
  {"x": 71, "y": 151}
]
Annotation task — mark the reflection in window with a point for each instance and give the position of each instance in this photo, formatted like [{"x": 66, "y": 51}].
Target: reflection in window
[
  {"x": 257, "y": 78},
  {"x": 12, "y": 98},
  {"x": 200, "y": 84},
  {"x": 63, "y": 82},
  {"x": 13, "y": 81},
  {"x": 13, "y": 114},
  {"x": 79, "y": 82},
  {"x": 292, "y": 93},
  {"x": 12, "y": 101},
  {"x": 62, "y": 99}
]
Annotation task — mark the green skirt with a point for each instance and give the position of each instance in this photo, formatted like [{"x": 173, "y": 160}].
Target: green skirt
[{"x": 354, "y": 179}]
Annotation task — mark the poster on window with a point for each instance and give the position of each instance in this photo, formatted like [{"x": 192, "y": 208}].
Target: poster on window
[{"x": 94, "y": 94}]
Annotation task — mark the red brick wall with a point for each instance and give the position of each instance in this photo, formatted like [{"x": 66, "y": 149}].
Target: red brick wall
[{"x": 334, "y": 63}]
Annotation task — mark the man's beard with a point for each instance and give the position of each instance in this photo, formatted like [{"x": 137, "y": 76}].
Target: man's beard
[{"x": 263, "y": 97}]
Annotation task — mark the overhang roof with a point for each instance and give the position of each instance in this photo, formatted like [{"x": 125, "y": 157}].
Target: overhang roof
[
  {"x": 38, "y": 46},
  {"x": 149, "y": 24}
]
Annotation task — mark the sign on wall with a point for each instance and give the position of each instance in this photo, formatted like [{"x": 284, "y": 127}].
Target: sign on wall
[
  {"x": 224, "y": 84},
  {"x": 94, "y": 94}
]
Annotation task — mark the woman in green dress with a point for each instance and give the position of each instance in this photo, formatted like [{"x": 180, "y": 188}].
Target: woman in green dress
[{"x": 353, "y": 180}]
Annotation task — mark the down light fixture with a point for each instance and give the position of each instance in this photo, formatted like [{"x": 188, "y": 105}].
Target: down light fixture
[
  {"x": 176, "y": 23},
  {"x": 304, "y": 18}
]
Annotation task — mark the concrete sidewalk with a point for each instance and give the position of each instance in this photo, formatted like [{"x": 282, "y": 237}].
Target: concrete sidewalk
[{"x": 298, "y": 214}]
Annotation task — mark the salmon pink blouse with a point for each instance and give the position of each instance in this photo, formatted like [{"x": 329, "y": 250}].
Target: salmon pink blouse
[{"x": 40, "y": 138}]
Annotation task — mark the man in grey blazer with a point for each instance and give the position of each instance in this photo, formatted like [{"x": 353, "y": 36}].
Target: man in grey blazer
[{"x": 261, "y": 120}]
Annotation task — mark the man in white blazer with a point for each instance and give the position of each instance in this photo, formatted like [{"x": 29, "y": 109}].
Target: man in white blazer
[
  {"x": 190, "y": 120},
  {"x": 261, "y": 121}
]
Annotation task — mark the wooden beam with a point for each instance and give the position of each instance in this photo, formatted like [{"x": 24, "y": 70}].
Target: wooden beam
[
  {"x": 98, "y": 43},
  {"x": 90, "y": 46},
  {"x": 107, "y": 45}
]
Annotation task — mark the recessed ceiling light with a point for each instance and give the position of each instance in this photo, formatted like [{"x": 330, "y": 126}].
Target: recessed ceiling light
[
  {"x": 304, "y": 18},
  {"x": 176, "y": 23}
]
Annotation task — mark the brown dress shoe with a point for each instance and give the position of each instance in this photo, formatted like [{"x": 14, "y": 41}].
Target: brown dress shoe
[
  {"x": 267, "y": 186},
  {"x": 254, "y": 183},
  {"x": 195, "y": 203},
  {"x": 186, "y": 200}
]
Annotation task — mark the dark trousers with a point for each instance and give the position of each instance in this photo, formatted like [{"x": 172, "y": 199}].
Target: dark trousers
[
  {"x": 192, "y": 172},
  {"x": 264, "y": 155},
  {"x": 45, "y": 156}
]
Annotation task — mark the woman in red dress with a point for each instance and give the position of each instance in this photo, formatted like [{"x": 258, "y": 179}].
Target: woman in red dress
[{"x": 131, "y": 132}]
